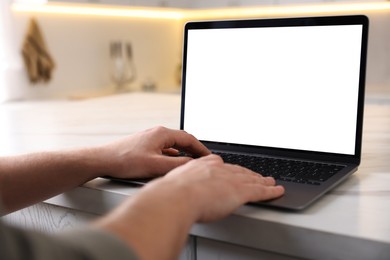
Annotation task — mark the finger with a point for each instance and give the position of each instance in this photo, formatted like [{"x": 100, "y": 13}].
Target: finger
[
  {"x": 165, "y": 164},
  {"x": 251, "y": 176},
  {"x": 269, "y": 181},
  {"x": 181, "y": 140},
  {"x": 171, "y": 152},
  {"x": 211, "y": 158},
  {"x": 239, "y": 169},
  {"x": 261, "y": 192}
]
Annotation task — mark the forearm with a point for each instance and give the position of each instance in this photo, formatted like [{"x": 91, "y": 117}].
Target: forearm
[{"x": 30, "y": 178}]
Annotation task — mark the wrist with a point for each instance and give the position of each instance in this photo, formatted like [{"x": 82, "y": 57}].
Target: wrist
[
  {"x": 177, "y": 197},
  {"x": 99, "y": 162}
]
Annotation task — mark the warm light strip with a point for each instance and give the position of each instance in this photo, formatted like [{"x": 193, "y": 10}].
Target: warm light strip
[
  {"x": 97, "y": 10},
  {"x": 196, "y": 14},
  {"x": 287, "y": 10}
]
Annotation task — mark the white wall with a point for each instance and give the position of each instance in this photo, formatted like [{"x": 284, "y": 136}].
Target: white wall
[
  {"x": 80, "y": 47},
  {"x": 378, "y": 60}
]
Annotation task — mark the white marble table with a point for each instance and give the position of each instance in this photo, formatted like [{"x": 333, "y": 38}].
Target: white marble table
[{"x": 350, "y": 222}]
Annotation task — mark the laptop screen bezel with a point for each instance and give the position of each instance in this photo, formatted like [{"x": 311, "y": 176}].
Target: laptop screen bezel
[{"x": 286, "y": 22}]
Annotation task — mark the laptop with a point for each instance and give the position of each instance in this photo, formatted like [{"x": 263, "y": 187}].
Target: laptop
[{"x": 283, "y": 97}]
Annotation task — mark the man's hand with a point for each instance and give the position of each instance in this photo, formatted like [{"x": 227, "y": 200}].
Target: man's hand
[
  {"x": 45, "y": 174},
  {"x": 218, "y": 188},
  {"x": 162, "y": 213},
  {"x": 151, "y": 153}
]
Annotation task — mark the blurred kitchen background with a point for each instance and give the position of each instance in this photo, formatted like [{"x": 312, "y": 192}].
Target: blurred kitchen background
[{"x": 81, "y": 35}]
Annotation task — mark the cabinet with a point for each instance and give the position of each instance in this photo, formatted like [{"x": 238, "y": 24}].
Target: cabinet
[
  {"x": 53, "y": 219},
  {"x": 215, "y": 250},
  {"x": 48, "y": 218}
]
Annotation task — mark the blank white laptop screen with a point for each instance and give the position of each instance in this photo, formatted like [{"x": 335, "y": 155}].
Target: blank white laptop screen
[{"x": 284, "y": 87}]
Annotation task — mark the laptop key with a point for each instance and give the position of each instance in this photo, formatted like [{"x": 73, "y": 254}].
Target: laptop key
[{"x": 286, "y": 170}]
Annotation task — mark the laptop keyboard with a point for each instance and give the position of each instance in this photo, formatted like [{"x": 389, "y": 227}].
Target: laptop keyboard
[{"x": 283, "y": 169}]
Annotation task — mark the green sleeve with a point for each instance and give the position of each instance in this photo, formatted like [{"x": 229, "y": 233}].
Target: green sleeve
[{"x": 86, "y": 244}]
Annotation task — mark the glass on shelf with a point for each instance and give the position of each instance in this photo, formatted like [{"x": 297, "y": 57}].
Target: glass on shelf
[{"x": 123, "y": 71}]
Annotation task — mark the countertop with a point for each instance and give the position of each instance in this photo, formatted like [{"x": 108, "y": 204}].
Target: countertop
[{"x": 350, "y": 222}]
